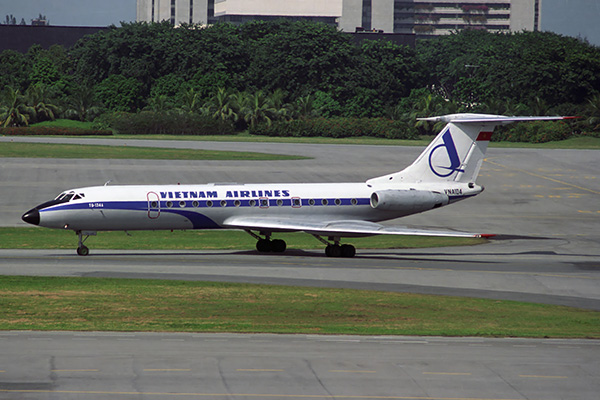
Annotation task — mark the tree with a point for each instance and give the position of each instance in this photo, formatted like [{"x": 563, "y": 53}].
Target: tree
[
  {"x": 82, "y": 104},
  {"x": 305, "y": 106},
  {"x": 593, "y": 112},
  {"x": 38, "y": 98},
  {"x": 297, "y": 57},
  {"x": 221, "y": 106},
  {"x": 475, "y": 67},
  {"x": 119, "y": 93},
  {"x": 190, "y": 102},
  {"x": 258, "y": 108},
  {"x": 10, "y": 20},
  {"x": 159, "y": 104},
  {"x": 13, "y": 110},
  {"x": 15, "y": 69}
]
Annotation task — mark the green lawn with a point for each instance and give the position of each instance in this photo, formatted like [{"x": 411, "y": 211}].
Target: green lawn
[
  {"x": 581, "y": 142},
  {"x": 66, "y": 123},
  {"x": 41, "y": 238},
  {"x": 46, "y": 150},
  {"x": 94, "y": 304}
]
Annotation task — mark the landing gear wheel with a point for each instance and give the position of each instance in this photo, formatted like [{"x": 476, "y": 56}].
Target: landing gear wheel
[
  {"x": 83, "y": 251},
  {"x": 278, "y": 246},
  {"x": 264, "y": 245},
  {"x": 333, "y": 250},
  {"x": 348, "y": 250}
]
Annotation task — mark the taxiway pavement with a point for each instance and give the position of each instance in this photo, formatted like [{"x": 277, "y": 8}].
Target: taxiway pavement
[{"x": 127, "y": 366}]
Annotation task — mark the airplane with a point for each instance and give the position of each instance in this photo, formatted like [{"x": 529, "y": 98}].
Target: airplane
[{"x": 444, "y": 173}]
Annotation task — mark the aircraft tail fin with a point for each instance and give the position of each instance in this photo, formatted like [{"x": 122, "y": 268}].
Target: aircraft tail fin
[{"x": 457, "y": 152}]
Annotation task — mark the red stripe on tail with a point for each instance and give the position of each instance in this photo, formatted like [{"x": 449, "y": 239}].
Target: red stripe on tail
[{"x": 484, "y": 136}]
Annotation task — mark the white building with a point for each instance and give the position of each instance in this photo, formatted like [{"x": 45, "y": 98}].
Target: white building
[{"x": 422, "y": 17}]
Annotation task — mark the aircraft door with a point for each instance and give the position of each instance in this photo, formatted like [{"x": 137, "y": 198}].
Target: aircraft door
[{"x": 153, "y": 205}]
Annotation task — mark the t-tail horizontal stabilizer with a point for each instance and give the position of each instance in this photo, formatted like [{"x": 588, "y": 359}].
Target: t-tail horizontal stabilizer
[{"x": 457, "y": 152}]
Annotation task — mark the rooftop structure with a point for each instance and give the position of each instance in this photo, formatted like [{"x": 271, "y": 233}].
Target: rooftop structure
[{"x": 420, "y": 17}]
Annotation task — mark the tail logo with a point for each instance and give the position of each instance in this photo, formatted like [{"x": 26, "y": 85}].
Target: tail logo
[{"x": 441, "y": 170}]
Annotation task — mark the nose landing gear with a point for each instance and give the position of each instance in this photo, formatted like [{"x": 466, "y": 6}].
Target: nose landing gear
[{"x": 83, "y": 250}]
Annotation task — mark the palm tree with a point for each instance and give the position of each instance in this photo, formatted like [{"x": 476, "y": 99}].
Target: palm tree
[
  {"x": 83, "y": 104},
  {"x": 593, "y": 112},
  {"x": 14, "y": 110},
  {"x": 282, "y": 110},
  {"x": 305, "y": 106},
  {"x": 538, "y": 106},
  {"x": 220, "y": 106},
  {"x": 159, "y": 103},
  {"x": 37, "y": 97},
  {"x": 426, "y": 106},
  {"x": 190, "y": 101},
  {"x": 259, "y": 109}
]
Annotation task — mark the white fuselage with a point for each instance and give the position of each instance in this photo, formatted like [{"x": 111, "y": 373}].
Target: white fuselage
[{"x": 156, "y": 207}]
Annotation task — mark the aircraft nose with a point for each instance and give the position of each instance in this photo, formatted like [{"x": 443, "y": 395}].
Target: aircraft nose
[{"x": 32, "y": 217}]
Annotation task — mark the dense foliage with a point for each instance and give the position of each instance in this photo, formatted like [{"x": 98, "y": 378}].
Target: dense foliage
[
  {"x": 52, "y": 131},
  {"x": 154, "y": 123},
  {"x": 263, "y": 75},
  {"x": 336, "y": 127}
]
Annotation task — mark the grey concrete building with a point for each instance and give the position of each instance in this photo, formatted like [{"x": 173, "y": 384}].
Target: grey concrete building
[{"x": 420, "y": 17}]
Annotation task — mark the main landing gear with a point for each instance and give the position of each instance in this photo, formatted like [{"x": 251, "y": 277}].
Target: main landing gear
[
  {"x": 266, "y": 245},
  {"x": 335, "y": 249},
  {"x": 83, "y": 250}
]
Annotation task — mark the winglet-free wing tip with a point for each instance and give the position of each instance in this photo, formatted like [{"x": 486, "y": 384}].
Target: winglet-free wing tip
[{"x": 486, "y": 235}]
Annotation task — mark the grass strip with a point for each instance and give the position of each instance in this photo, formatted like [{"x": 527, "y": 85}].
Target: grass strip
[
  {"x": 575, "y": 143},
  {"x": 40, "y": 238},
  {"x": 579, "y": 142},
  {"x": 99, "y": 304},
  {"x": 47, "y": 150}
]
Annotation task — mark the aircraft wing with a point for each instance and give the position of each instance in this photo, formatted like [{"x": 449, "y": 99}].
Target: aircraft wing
[
  {"x": 345, "y": 228},
  {"x": 484, "y": 118}
]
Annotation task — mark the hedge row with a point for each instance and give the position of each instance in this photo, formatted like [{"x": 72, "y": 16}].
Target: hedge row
[
  {"x": 52, "y": 131},
  {"x": 533, "y": 132},
  {"x": 336, "y": 128},
  {"x": 153, "y": 123}
]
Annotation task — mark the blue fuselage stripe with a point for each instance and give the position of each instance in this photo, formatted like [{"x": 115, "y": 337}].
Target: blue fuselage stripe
[{"x": 166, "y": 205}]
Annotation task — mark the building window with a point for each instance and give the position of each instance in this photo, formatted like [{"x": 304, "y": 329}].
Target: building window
[
  {"x": 172, "y": 12},
  {"x": 366, "y": 14}
]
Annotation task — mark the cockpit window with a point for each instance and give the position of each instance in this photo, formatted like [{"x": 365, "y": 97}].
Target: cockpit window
[
  {"x": 79, "y": 196},
  {"x": 65, "y": 197}
]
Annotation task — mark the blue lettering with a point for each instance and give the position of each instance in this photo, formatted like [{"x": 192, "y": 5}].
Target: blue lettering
[
  {"x": 193, "y": 195},
  {"x": 286, "y": 193},
  {"x": 268, "y": 193},
  {"x": 177, "y": 195},
  {"x": 163, "y": 195},
  {"x": 244, "y": 193},
  {"x": 212, "y": 194}
]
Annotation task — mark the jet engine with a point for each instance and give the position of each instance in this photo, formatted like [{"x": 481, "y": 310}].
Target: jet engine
[{"x": 409, "y": 201}]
